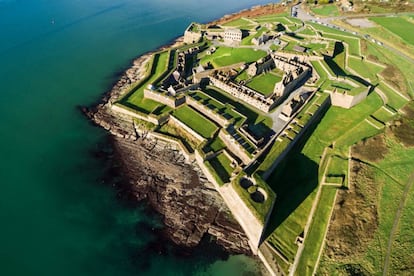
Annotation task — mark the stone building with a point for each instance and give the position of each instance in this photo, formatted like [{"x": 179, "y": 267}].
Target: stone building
[
  {"x": 233, "y": 35},
  {"x": 263, "y": 65},
  {"x": 192, "y": 34},
  {"x": 260, "y": 40}
]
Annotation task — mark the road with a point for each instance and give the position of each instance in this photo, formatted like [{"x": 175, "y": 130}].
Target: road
[{"x": 327, "y": 21}]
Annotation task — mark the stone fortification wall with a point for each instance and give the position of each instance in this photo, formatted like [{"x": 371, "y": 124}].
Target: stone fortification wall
[
  {"x": 164, "y": 99},
  {"x": 175, "y": 144},
  {"x": 290, "y": 86},
  {"x": 248, "y": 221},
  {"x": 120, "y": 109},
  {"x": 186, "y": 128},
  {"x": 347, "y": 101},
  {"x": 207, "y": 112},
  {"x": 244, "y": 216},
  {"x": 234, "y": 146},
  {"x": 190, "y": 36},
  {"x": 318, "y": 114},
  {"x": 246, "y": 94}
]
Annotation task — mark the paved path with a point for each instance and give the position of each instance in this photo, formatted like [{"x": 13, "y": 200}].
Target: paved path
[{"x": 397, "y": 217}]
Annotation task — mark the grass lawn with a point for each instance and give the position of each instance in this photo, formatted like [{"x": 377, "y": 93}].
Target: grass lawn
[
  {"x": 326, "y": 10},
  {"x": 307, "y": 31},
  {"x": 273, "y": 19},
  {"x": 248, "y": 40},
  {"x": 217, "y": 144},
  {"x": 394, "y": 100},
  {"x": 264, "y": 83},
  {"x": 384, "y": 114},
  {"x": 338, "y": 168},
  {"x": 221, "y": 164},
  {"x": 397, "y": 25},
  {"x": 196, "y": 121},
  {"x": 348, "y": 118},
  {"x": 325, "y": 29},
  {"x": 295, "y": 185},
  {"x": 365, "y": 68},
  {"x": 323, "y": 75},
  {"x": 398, "y": 163},
  {"x": 314, "y": 239},
  {"x": 136, "y": 99},
  {"x": 356, "y": 134},
  {"x": 353, "y": 42},
  {"x": 401, "y": 75},
  {"x": 240, "y": 23},
  {"x": 226, "y": 56}
]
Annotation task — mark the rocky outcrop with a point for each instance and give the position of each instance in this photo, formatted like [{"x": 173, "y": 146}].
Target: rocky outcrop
[{"x": 190, "y": 206}]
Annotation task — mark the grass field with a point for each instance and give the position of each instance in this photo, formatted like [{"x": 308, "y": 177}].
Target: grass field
[
  {"x": 318, "y": 227},
  {"x": 397, "y": 25},
  {"x": 326, "y": 10},
  {"x": 264, "y": 83},
  {"x": 394, "y": 100},
  {"x": 136, "y": 99},
  {"x": 365, "y": 68},
  {"x": 221, "y": 164},
  {"x": 295, "y": 181},
  {"x": 226, "y": 56},
  {"x": 217, "y": 144},
  {"x": 390, "y": 175},
  {"x": 384, "y": 114},
  {"x": 196, "y": 121},
  {"x": 240, "y": 23}
]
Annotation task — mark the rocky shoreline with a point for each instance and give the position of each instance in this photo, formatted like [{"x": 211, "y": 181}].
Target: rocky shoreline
[{"x": 191, "y": 209}]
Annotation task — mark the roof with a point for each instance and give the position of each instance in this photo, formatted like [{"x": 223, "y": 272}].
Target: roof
[{"x": 298, "y": 48}]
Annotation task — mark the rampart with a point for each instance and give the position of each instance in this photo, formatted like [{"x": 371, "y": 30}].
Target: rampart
[
  {"x": 163, "y": 98},
  {"x": 246, "y": 94},
  {"x": 234, "y": 146},
  {"x": 187, "y": 128},
  {"x": 222, "y": 121},
  {"x": 157, "y": 120},
  {"x": 318, "y": 114},
  {"x": 343, "y": 99},
  {"x": 248, "y": 221}
]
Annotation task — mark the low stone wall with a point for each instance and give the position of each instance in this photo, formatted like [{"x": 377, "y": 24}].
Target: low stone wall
[
  {"x": 234, "y": 147},
  {"x": 207, "y": 112},
  {"x": 125, "y": 111},
  {"x": 187, "y": 128},
  {"x": 164, "y": 99}
]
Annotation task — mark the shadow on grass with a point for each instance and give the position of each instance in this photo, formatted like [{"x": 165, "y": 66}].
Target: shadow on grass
[
  {"x": 338, "y": 70},
  {"x": 294, "y": 179}
]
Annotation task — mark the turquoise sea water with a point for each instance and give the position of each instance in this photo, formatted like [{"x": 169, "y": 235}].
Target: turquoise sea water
[{"x": 57, "y": 216}]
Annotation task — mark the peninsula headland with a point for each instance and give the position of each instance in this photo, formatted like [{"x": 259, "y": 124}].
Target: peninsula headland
[{"x": 253, "y": 129}]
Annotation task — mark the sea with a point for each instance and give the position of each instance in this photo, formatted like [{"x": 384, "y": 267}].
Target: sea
[{"x": 59, "y": 211}]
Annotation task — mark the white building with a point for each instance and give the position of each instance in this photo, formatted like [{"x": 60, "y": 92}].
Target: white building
[{"x": 233, "y": 35}]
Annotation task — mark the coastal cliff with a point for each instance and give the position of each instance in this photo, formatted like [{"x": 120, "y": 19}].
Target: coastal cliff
[{"x": 190, "y": 206}]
